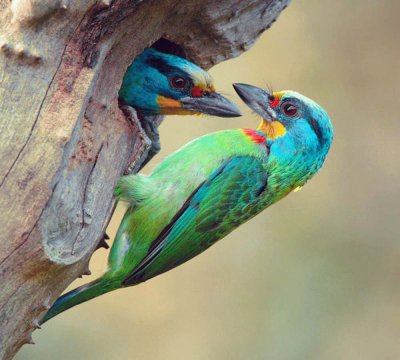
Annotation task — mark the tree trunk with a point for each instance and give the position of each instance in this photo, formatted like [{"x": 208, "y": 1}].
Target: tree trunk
[{"x": 63, "y": 139}]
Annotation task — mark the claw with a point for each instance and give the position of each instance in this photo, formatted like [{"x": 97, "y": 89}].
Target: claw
[
  {"x": 150, "y": 126},
  {"x": 87, "y": 272},
  {"x": 44, "y": 306},
  {"x": 144, "y": 142},
  {"x": 35, "y": 324},
  {"x": 102, "y": 243},
  {"x": 29, "y": 340}
]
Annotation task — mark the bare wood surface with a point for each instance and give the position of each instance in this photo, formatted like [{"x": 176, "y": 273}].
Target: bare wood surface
[{"x": 63, "y": 139}]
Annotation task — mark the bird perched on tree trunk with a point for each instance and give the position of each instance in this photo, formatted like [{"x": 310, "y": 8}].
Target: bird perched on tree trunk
[
  {"x": 157, "y": 83},
  {"x": 209, "y": 187}
]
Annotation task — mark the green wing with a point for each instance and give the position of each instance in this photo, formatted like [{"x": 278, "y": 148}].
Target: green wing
[{"x": 229, "y": 197}]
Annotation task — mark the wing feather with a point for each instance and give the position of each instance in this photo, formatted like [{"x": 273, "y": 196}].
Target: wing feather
[{"x": 229, "y": 197}]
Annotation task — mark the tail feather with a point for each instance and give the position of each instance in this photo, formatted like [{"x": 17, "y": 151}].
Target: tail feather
[{"x": 79, "y": 295}]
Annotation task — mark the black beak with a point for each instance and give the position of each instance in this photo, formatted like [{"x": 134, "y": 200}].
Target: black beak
[
  {"x": 213, "y": 104},
  {"x": 256, "y": 99}
]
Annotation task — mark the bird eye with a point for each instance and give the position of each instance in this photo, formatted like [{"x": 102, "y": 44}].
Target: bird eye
[
  {"x": 178, "y": 82},
  {"x": 289, "y": 109}
]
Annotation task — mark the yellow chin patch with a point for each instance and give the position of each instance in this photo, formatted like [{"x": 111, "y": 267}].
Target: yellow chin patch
[
  {"x": 171, "y": 107},
  {"x": 273, "y": 129}
]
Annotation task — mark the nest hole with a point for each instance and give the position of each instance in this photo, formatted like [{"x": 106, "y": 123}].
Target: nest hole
[{"x": 168, "y": 47}]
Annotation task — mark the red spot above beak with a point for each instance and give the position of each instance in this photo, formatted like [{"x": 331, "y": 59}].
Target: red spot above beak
[
  {"x": 197, "y": 92},
  {"x": 274, "y": 103}
]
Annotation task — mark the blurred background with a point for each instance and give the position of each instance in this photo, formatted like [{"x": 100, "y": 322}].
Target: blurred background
[{"x": 316, "y": 276}]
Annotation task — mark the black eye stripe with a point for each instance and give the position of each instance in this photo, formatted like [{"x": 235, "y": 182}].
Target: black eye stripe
[
  {"x": 316, "y": 128},
  {"x": 170, "y": 71},
  {"x": 162, "y": 66}
]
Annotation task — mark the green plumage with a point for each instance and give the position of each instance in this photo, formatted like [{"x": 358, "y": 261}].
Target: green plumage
[{"x": 204, "y": 191}]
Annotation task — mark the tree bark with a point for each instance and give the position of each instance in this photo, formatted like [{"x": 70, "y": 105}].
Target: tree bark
[{"x": 64, "y": 141}]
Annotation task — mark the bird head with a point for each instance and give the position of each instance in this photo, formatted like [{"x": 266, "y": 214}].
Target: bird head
[
  {"x": 159, "y": 83},
  {"x": 288, "y": 114}
]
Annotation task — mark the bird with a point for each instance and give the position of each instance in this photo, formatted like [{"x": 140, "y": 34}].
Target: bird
[
  {"x": 159, "y": 83},
  {"x": 209, "y": 187}
]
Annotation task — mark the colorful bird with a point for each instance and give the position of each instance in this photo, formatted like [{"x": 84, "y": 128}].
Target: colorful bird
[
  {"x": 159, "y": 83},
  {"x": 209, "y": 187}
]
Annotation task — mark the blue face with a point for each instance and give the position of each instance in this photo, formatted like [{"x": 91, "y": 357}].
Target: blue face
[
  {"x": 158, "y": 83},
  {"x": 302, "y": 118},
  {"x": 288, "y": 114},
  {"x": 297, "y": 130}
]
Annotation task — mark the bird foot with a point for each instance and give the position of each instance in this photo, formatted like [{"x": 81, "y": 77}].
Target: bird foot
[
  {"x": 103, "y": 243},
  {"x": 150, "y": 126},
  {"x": 141, "y": 147}
]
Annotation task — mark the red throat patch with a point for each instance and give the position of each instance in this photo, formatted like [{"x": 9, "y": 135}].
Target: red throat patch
[{"x": 254, "y": 136}]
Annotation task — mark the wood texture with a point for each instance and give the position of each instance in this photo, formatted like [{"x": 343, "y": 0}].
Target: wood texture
[{"x": 63, "y": 139}]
